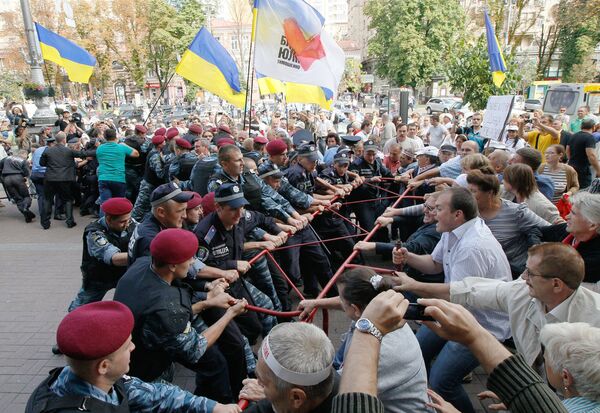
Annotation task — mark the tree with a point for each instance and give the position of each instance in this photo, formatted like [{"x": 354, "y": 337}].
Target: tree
[
  {"x": 469, "y": 73},
  {"x": 351, "y": 81},
  {"x": 412, "y": 38},
  {"x": 241, "y": 15},
  {"x": 579, "y": 33},
  {"x": 10, "y": 88}
]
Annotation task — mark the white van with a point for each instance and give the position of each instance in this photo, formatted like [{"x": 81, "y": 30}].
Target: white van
[{"x": 572, "y": 96}]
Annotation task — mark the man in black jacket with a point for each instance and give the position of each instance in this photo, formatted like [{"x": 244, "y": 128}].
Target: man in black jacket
[
  {"x": 59, "y": 161},
  {"x": 14, "y": 171}
]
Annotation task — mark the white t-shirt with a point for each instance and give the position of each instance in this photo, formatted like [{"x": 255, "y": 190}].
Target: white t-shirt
[{"x": 436, "y": 135}]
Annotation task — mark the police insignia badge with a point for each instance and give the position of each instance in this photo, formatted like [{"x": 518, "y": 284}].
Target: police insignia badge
[
  {"x": 203, "y": 253},
  {"x": 248, "y": 216},
  {"x": 210, "y": 234},
  {"x": 235, "y": 189},
  {"x": 99, "y": 240}
]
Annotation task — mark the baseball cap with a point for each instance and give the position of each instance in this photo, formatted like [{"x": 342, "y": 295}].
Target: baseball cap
[
  {"x": 448, "y": 148},
  {"x": 370, "y": 146},
  {"x": 308, "y": 151},
  {"x": 342, "y": 157},
  {"x": 428, "y": 150},
  {"x": 269, "y": 169},
  {"x": 512, "y": 127}
]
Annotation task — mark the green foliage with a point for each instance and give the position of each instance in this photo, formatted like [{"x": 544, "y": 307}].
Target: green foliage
[
  {"x": 578, "y": 36},
  {"x": 413, "y": 38},
  {"x": 469, "y": 73},
  {"x": 351, "y": 81},
  {"x": 10, "y": 85},
  {"x": 170, "y": 31}
]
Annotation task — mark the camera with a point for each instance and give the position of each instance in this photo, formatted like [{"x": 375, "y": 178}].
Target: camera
[{"x": 416, "y": 312}]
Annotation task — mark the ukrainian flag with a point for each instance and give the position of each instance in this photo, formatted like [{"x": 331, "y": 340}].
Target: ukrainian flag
[
  {"x": 207, "y": 64},
  {"x": 77, "y": 62},
  {"x": 295, "y": 92},
  {"x": 497, "y": 64}
]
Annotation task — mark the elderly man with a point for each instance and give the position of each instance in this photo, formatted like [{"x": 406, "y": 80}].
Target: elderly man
[
  {"x": 96, "y": 339},
  {"x": 294, "y": 372},
  {"x": 467, "y": 248},
  {"x": 581, "y": 232},
  {"x": 542, "y": 295}
]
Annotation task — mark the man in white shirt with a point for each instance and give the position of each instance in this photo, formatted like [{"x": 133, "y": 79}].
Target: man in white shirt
[
  {"x": 412, "y": 134},
  {"x": 365, "y": 130},
  {"x": 402, "y": 140},
  {"x": 389, "y": 129},
  {"x": 548, "y": 291},
  {"x": 467, "y": 248},
  {"x": 436, "y": 133}
]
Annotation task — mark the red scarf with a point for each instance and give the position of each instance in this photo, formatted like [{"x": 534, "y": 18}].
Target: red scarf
[{"x": 569, "y": 241}]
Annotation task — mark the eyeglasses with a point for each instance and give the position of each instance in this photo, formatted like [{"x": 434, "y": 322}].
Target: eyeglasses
[
  {"x": 429, "y": 208},
  {"x": 530, "y": 274}
]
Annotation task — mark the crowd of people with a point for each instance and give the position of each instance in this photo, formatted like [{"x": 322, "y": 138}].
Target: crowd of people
[{"x": 199, "y": 223}]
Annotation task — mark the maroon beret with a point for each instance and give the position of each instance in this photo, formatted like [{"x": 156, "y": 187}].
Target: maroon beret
[
  {"x": 195, "y": 128},
  {"x": 94, "y": 330},
  {"x": 174, "y": 246},
  {"x": 225, "y": 141},
  {"x": 208, "y": 203},
  {"x": 117, "y": 206},
  {"x": 172, "y": 132},
  {"x": 182, "y": 143},
  {"x": 141, "y": 129},
  {"x": 261, "y": 139},
  {"x": 276, "y": 147},
  {"x": 160, "y": 131},
  {"x": 194, "y": 201},
  {"x": 158, "y": 139},
  {"x": 225, "y": 128}
]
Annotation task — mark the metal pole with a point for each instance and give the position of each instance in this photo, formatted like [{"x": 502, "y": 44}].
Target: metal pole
[{"x": 158, "y": 98}]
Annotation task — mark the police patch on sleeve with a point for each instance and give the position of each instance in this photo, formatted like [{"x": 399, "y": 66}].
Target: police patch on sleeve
[
  {"x": 210, "y": 234},
  {"x": 203, "y": 253},
  {"x": 248, "y": 216},
  {"x": 99, "y": 239}
]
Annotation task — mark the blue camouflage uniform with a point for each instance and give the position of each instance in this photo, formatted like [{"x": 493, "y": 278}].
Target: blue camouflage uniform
[
  {"x": 100, "y": 275},
  {"x": 141, "y": 397},
  {"x": 154, "y": 175},
  {"x": 166, "y": 330},
  {"x": 181, "y": 166},
  {"x": 297, "y": 198}
]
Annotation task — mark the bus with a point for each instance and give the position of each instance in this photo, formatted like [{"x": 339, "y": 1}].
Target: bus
[{"x": 572, "y": 96}]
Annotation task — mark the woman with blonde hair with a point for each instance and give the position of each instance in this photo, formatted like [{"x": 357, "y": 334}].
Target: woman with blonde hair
[
  {"x": 563, "y": 175},
  {"x": 520, "y": 181}
]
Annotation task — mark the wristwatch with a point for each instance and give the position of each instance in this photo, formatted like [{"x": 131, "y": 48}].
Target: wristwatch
[{"x": 364, "y": 325}]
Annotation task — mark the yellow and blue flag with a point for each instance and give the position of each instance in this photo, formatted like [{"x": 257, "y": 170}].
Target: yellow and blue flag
[
  {"x": 295, "y": 92},
  {"x": 76, "y": 61},
  {"x": 497, "y": 64},
  {"x": 207, "y": 64}
]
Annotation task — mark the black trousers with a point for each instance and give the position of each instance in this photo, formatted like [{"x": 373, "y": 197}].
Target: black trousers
[
  {"x": 367, "y": 213},
  {"x": 329, "y": 228},
  {"x": 62, "y": 189},
  {"x": 17, "y": 190},
  {"x": 221, "y": 370}
]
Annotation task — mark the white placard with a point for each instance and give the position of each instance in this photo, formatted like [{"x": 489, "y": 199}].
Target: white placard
[{"x": 496, "y": 115}]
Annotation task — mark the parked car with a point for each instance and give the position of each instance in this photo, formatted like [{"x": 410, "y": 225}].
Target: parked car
[
  {"x": 533, "y": 104},
  {"x": 439, "y": 105},
  {"x": 463, "y": 112}
]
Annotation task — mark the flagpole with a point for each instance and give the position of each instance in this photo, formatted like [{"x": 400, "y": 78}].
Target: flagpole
[
  {"x": 162, "y": 92},
  {"x": 250, "y": 77}
]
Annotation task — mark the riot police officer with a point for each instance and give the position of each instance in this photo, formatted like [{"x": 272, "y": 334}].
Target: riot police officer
[
  {"x": 134, "y": 167},
  {"x": 221, "y": 235},
  {"x": 370, "y": 167},
  {"x": 96, "y": 338},
  {"x": 185, "y": 159},
  {"x": 166, "y": 328},
  {"x": 104, "y": 258},
  {"x": 154, "y": 175}
]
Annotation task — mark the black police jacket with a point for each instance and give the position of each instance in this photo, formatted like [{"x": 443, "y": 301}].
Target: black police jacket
[
  {"x": 367, "y": 170},
  {"x": 301, "y": 179},
  {"x": 44, "y": 400},
  {"x": 135, "y": 163},
  {"x": 150, "y": 174},
  {"x": 144, "y": 233},
  {"x": 168, "y": 306},
  {"x": 94, "y": 269},
  {"x": 221, "y": 248},
  {"x": 186, "y": 163}
]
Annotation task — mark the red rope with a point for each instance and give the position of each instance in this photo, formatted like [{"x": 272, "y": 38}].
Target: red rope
[
  {"x": 382, "y": 189},
  {"x": 285, "y": 247},
  {"x": 347, "y": 220},
  {"x": 273, "y": 312},
  {"x": 376, "y": 269},
  {"x": 274, "y": 261},
  {"x": 362, "y": 201},
  {"x": 351, "y": 257}
]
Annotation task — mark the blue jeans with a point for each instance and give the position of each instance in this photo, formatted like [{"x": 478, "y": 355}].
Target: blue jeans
[
  {"x": 91, "y": 292},
  {"x": 454, "y": 361},
  {"x": 110, "y": 189}
]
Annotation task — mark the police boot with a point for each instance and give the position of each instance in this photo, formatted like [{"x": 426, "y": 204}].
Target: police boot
[{"x": 69, "y": 212}]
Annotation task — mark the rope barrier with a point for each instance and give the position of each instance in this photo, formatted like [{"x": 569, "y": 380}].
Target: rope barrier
[{"x": 292, "y": 285}]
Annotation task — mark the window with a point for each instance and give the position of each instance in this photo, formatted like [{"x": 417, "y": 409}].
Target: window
[{"x": 234, "y": 44}]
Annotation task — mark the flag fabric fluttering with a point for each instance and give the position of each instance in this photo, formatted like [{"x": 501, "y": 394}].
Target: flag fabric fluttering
[
  {"x": 295, "y": 92},
  {"x": 207, "y": 64},
  {"x": 497, "y": 64},
  {"x": 291, "y": 45},
  {"x": 77, "y": 62}
]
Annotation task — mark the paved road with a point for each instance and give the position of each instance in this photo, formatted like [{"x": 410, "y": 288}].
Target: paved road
[{"x": 39, "y": 275}]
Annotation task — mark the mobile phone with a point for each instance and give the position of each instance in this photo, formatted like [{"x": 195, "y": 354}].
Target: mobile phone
[{"x": 416, "y": 312}]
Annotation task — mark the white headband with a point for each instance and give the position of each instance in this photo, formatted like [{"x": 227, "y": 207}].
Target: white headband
[
  {"x": 375, "y": 281},
  {"x": 299, "y": 379}
]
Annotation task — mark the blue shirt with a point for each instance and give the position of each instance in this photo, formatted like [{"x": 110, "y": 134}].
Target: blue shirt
[
  {"x": 36, "y": 168},
  {"x": 142, "y": 397},
  {"x": 329, "y": 154},
  {"x": 545, "y": 185},
  {"x": 111, "y": 161},
  {"x": 581, "y": 405}
]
